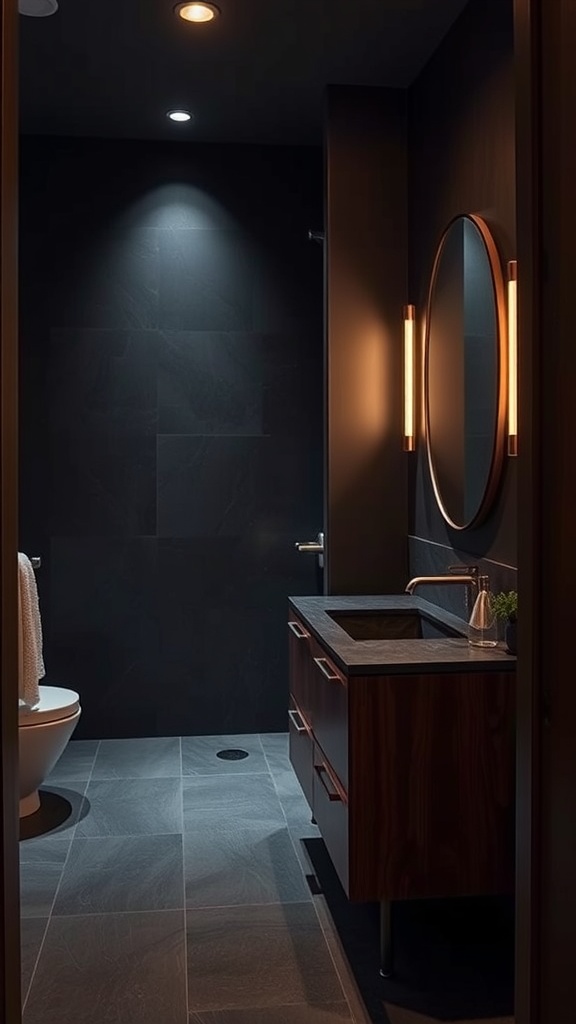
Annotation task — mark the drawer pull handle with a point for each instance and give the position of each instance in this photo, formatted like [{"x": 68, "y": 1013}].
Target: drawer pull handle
[
  {"x": 327, "y": 785},
  {"x": 299, "y": 633},
  {"x": 326, "y": 670},
  {"x": 297, "y": 722}
]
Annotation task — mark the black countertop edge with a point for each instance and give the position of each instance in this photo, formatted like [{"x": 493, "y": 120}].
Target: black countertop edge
[{"x": 396, "y": 657}]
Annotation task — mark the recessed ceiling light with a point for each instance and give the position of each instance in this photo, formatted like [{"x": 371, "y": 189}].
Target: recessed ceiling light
[
  {"x": 37, "y": 8},
  {"x": 198, "y": 13},
  {"x": 179, "y": 115}
]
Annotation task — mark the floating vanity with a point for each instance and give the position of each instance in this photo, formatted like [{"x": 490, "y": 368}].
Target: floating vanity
[{"x": 402, "y": 738}]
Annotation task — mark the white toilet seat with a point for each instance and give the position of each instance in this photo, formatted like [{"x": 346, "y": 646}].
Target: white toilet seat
[{"x": 55, "y": 704}]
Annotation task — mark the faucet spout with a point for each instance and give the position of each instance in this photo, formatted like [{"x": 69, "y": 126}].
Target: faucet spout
[{"x": 466, "y": 575}]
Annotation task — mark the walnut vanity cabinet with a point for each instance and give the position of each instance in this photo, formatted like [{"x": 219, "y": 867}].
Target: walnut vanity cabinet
[{"x": 410, "y": 777}]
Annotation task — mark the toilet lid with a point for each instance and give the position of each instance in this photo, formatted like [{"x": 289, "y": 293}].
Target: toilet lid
[{"x": 55, "y": 703}]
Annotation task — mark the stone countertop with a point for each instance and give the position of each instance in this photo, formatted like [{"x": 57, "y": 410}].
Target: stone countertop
[{"x": 397, "y": 657}]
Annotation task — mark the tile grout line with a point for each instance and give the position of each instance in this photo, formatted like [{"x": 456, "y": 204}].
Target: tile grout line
[
  {"x": 327, "y": 944},
  {"x": 49, "y": 918},
  {"x": 313, "y": 901},
  {"x": 177, "y": 910},
  {"x": 184, "y": 921}
]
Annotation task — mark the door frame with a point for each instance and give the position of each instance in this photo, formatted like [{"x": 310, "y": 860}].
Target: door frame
[{"x": 10, "y": 1008}]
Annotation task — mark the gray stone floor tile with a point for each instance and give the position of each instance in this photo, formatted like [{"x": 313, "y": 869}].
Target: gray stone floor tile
[
  {"x": 247, "y": 799},
  {"x": 275, "y": 742},
  {"x": 41, "y": 867},
  {"x": 76, "y": 762},
  {"x": 228, "y": 864},
  {"x": 138, "y": 759},
  {"x": 303, "y": 1013},
  {"x": 256, "y": 957},
  {"x": 122, "y": 873},
  {"x": 113, "y": 968},
  {"x": 199, "y": 755},
  {"x": 62, "y": 804},
  {"x": 32, "y": 931},
  {"x": 126, "y": 807}
]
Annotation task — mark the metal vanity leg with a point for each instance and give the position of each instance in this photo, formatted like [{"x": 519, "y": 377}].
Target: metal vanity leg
[{"x": 386, "y": 948}]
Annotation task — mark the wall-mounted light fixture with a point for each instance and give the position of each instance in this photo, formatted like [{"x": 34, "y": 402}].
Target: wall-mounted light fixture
[
  {"x": 512, "y": 358},
  {"x": 409, "y": 379}
]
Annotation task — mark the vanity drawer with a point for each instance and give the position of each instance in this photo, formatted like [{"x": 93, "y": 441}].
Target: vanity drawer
[
  {"x": 301, "y": 749},
  {"x": 331, "y": 814},
  {"x": 329, "y": 697},
  {"x": 299, "y": 640}
]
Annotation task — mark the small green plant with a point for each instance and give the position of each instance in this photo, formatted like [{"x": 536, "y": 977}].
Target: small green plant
[{"x": 505, "y": 605}]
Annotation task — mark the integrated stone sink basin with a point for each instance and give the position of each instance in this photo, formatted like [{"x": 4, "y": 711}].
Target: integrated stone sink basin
[{"x": 391, "y": 625}]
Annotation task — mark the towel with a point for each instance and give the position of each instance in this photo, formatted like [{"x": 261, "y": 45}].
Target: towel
[{"x": 30, "y": 661}]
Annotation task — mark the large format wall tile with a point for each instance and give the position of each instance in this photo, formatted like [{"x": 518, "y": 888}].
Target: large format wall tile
[
  {"x": 118, "y": 968},
  {"x": 205, "y": 281},
  {"x": 101, "y": 484},
  {"x": 210, "y": 383},
  {"x": 209, "y": 485},
  {"x": 171, "y": 386},
  {"x": 103, "y": 381},
  {"x": 106, "y": 279},
  {"x": 103, "y": 640}
]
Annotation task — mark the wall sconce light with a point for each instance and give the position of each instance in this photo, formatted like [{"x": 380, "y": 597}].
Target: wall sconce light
[
  {"x": 409, "y": 379},
  {"x": 512, "y": 358}
]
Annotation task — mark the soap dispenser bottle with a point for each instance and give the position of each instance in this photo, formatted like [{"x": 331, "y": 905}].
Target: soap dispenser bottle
[{"x": 483, "y": 626}]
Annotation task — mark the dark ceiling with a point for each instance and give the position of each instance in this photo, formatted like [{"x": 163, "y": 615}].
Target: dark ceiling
[{"x": 112, "y": 68}]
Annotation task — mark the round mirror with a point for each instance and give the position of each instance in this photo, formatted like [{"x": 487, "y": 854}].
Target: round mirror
[{"x": 465, "y": 382}]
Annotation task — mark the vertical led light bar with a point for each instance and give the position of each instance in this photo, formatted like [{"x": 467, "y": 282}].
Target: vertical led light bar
[
  {"x": 512, "y": 358},
  {"x": 409, "y": 380}
]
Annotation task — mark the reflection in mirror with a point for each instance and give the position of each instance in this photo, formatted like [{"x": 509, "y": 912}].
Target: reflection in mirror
[{"x": 465, "y": 372}]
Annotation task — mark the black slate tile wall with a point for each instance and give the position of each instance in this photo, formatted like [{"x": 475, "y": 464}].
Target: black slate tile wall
[
  {"x": 171, "y": 424},
  {"x": 427, "y": 558}
]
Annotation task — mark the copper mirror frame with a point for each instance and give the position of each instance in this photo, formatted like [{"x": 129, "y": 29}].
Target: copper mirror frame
[{"x": 493, "y": 474}]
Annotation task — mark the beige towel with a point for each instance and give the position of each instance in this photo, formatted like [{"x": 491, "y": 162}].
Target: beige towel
[{"x": 30, "y": 662}]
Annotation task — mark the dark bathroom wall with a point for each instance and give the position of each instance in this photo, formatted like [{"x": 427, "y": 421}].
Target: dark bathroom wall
[
  {"x": 366, "y": 268},
  {"x": 461, "y": 160},
  {"x": 171, "y": 453}
]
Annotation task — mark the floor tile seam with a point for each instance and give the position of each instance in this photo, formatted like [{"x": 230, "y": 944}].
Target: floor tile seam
[
  {"x": 36, "y": 962},
  {"x": 118, "y": 913},
  {"x": 62, "y": 914},
  {"x": 182, "y": 844},
  {"x": 248, "y": 906},
  {"x": 313, "y": 901},
  {"x": 299, "y": 900},
  {"x": 224, "y": 775},
  {"x": 92, "y": 766},
  {"x": 128, "y": 835},
  {"x": 133, "y": 778},
  {"x": 349, "y": 980},
  {"x": 72, "y": 837},
  {"x": 233, "y": 1007}
]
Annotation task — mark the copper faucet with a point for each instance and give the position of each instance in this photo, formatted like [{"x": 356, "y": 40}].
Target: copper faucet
[{"x": 467, "y": 574}]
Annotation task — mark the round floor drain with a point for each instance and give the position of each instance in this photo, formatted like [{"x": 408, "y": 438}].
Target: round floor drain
[{"x": 232, "y": 755}]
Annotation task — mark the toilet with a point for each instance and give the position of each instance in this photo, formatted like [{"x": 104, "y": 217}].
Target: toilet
[{"x": 43, "y": 733}]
